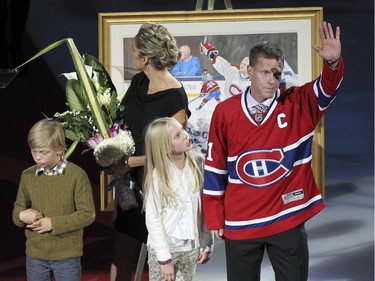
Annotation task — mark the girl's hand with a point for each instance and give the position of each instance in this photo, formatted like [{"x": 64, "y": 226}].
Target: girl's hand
[
  {"x": 204, "y": 257},
  {"x": 167, "y": 271}
]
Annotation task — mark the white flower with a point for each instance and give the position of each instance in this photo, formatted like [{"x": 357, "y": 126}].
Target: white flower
[
  {"x": 112, "y": 150},
  {"x": 95, "y": 80},
  {"x": 121, "y": 94},
  {"x": 73, "y": 75},
  {"x": 105, "y": 98}
]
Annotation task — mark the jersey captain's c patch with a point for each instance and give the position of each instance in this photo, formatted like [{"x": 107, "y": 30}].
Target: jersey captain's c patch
[{"x": 261, "y": 168}]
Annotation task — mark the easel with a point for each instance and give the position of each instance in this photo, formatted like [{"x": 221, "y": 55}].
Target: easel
[
  {"x": 211, "y": 3},
  {"x": 141, "y": 263},
  {"x": 143, "y": 253}
]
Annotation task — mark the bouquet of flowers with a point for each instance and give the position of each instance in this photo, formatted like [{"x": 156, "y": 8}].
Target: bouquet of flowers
[
  {"x": 94, "y": 106},
  {"x": 110, "y": 151},
  {"x": 78, "y": 121},
  {"x": 80, "y": 125}
]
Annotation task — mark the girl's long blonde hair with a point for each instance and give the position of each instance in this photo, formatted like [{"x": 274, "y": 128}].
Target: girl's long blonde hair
[{"x": 158, "y": 147}]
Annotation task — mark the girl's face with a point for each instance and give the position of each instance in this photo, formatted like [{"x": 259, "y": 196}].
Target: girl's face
[
  {"x": 45, "y": 157},
  {"x": 180, "y": 139}
]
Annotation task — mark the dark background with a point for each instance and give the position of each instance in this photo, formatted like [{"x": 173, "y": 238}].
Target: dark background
[{"x": 349, "y": 124}]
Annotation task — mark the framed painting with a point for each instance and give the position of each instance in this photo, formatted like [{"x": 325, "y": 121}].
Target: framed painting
[{"x": 232, "y": 33}]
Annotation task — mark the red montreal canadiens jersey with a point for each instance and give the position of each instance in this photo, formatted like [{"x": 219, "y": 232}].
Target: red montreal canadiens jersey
[
  {"x": 209, "y": 86},
  {"x": 258, "y": 178}
]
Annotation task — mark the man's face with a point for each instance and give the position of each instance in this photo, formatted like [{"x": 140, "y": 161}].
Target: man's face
[
  {"x": 185, "y": 53},
  {"x": 265, "y": 78}
]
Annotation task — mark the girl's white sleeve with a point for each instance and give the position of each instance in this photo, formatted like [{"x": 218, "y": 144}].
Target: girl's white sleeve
[
  {"x": 157, "y": 237},
  {"x": 206, "y": 236}
]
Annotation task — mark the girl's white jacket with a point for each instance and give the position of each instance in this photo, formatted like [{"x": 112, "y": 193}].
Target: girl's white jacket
[{"x": 176, "y": 227}]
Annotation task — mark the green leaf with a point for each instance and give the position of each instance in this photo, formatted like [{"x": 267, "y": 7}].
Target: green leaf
[
  {"x": 112, "y": 107},
  {"x": 71, "y": 135},
  {"x": 97, "y": 113},
  {"x": 45, "y": 50},
  {"x": 104, "y": 78},
  {"x": 71, "y": 149},
  {"x": 76, "y": 95}
]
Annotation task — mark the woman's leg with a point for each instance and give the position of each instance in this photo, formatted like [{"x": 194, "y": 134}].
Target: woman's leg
[{"x": 126, "y": 249}]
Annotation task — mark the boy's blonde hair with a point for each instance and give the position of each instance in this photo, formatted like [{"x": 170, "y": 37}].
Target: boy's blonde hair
[
  {"x": 159, "y": 148},
  {"x": 47, "y": 133}
]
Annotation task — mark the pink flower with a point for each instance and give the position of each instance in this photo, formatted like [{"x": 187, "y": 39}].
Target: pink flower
[
  {"x": 125, "y": 127},
  {"x": 114, "y": 130},
  {"x": 93, "y": 141}
]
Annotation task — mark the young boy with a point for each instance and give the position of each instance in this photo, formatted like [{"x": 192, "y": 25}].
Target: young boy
[{"x": 54, "y": 203}]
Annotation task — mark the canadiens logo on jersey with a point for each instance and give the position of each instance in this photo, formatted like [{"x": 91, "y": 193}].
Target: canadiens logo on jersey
[
  {"x": 261, "y": 168},
  {"x": 264, "y": 167},
  {"x": 235, "y": 90}
]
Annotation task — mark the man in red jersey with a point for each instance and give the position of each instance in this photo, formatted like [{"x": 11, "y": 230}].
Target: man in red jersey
[{"x": 259, "y": 188}]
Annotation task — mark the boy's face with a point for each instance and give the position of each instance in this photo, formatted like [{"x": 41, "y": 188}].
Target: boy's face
[{"x": 46, "y": 157}]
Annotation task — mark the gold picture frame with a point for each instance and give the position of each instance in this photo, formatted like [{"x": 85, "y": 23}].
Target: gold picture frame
[{"x": 117, "y": 29}]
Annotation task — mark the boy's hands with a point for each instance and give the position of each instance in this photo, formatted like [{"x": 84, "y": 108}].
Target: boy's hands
[
  {"x": 35, "y": 221},
  {"x": 41, "y": 226},
  {"x": 29, "y": 216}
]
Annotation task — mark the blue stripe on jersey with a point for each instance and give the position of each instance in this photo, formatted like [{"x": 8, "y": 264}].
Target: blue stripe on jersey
[
  {"x": 294, "y": 155},
  {"x": 257, "y": 223},
  {"x": 264, "y": 167},
  {"x": 214, "y": 181},
  {"x": 324, "y": 100}
]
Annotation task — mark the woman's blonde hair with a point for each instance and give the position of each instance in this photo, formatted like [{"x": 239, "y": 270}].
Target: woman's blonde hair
[
  {"x": 156, "y": 43},
  {"x": 159, "y": 148},
  {"x": 47, "y": 133}
]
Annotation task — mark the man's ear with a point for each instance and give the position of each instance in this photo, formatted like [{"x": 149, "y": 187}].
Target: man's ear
[{"x": 249, "y": 70}]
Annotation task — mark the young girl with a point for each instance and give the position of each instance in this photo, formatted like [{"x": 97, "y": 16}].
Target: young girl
[{"x": 178, "y": 238}]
